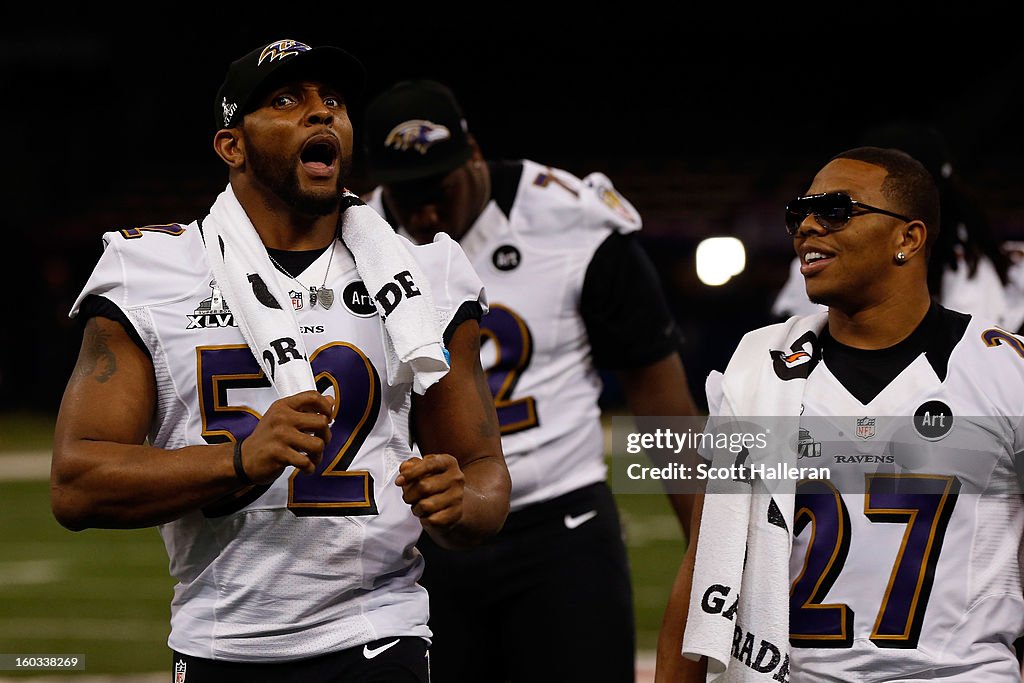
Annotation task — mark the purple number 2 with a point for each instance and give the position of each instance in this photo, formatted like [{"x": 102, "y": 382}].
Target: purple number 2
[
  {"x": 333, "y": 489},
  {"x": 513, "y": 345},
  {"x": 924, "y": 503}
]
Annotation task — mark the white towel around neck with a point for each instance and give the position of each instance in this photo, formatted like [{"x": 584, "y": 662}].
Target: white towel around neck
[
  {"x": 739, "y": 600},
  {"x": 410, "y": 326}
]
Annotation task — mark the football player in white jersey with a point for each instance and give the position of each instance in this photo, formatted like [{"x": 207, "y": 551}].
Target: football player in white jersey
[
  {"x": 969, "y": 270},
  {"x": 290, "y": 522},
  {"x": 570, "y": 291},
  {"x": 904, "y": 566}
]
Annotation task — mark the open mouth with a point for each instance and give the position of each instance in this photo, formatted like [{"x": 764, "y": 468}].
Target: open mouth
[
  {"x": 319, "y": 154},
  {"x": 815, "y": 256},
  {"x": 813, "y": 260}
]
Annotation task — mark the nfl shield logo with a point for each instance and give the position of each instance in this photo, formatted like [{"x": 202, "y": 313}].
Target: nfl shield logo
[
  {"x": 296, "y": 299},
  {"x": 179, "y": 671},
  {"x": 865, "y": 427}
]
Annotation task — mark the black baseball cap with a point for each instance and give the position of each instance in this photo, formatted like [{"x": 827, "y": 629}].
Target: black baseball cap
[
  {"x": 414, "y": 130},
  {"x": 269, "y": 64}
]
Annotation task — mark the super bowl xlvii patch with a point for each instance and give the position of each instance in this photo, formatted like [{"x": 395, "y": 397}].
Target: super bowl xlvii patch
[
  {"x": 807, "y": 447},
  {"x": 211, "y": 312}
]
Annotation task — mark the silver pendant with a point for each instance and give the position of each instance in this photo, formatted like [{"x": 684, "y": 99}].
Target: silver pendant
[{"x": 325, "y": 296}]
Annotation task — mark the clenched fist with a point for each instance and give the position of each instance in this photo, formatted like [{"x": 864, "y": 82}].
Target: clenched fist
[
  {"x": 434, "y": 486},
  {"x": 293, "y": 432}
]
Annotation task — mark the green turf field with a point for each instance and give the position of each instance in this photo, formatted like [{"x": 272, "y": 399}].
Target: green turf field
[
  {"x": 25, "y": 431},
  {"x": 105, "y": 594}
]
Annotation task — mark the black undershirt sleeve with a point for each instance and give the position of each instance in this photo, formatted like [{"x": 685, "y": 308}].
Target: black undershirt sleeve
[
  {"x": 469, "y": 310},
  {"x": 94, "y": 305},
  {"x": 628, "y": 320}
]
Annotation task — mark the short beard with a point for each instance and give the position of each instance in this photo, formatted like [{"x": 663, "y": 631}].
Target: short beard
[{"x": 283, "y": 181}]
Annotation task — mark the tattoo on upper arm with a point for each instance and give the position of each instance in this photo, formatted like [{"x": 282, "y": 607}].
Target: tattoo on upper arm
[{"x": 97, "y": 358}]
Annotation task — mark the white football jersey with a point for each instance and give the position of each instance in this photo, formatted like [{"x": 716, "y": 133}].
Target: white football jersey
[
  {"x": 313, "y": 563},
  {"x": 905, "y": 565},
  {"x": 535, "y": 348}
]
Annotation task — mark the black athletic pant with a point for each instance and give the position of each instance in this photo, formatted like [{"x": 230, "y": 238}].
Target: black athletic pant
[
  {"x": 548, "y": 599},
  {"x": 377, "y": 662}
]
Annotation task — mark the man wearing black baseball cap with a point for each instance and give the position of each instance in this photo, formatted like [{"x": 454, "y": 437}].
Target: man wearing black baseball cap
[
  {"x": 273, "y": 63},
  {"x": 570, "y": 291},
  {"x": 436, "y": 142},
  {"x": 283, "y": 482}
]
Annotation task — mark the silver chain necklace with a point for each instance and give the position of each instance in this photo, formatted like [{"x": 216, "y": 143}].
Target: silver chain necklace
[{"x": 323, "y": 294}]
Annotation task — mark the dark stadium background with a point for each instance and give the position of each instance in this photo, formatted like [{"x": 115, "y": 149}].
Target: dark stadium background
[
  {"x": 708, "y": 118},
  {"x": 707, "y": 122}
]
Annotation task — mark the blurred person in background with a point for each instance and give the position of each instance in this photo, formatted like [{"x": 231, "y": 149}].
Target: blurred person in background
[{"x": 570, "y": 291}]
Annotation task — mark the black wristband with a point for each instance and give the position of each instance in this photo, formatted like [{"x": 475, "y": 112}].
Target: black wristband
[{"x": 239, "y": 467}]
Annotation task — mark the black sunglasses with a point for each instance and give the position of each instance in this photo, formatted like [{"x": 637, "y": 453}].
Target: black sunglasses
[{"x": 832, "y": 210}]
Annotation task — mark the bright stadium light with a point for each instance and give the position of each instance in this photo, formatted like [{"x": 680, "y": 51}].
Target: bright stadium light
[{"x": 718, "y": 259}]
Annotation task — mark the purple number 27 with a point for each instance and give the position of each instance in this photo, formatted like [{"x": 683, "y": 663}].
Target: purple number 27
[{"x": 924, "y": 503}]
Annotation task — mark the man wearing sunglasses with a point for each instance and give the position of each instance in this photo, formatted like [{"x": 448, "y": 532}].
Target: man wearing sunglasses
[
  {"x": 969, "y": 269},
  {"x": 904, "y": 564}
]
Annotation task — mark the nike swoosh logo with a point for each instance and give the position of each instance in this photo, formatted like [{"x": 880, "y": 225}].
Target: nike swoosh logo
[
  {"x": 370, "y": 653},
  {"x": 573, "y": 522}
]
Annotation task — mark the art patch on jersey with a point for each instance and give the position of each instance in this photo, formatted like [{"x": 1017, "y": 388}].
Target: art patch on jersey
[
  {"x": 803, "y": 355},
  {"x": 296, "y": 299},
  {"x": 506, "y": 257},
  {"x": 933, "y": 420},
  {"x": 211, "y": 312},
  {"x": 357, "y": 300},
  {"x": 417, "y": 134},
  {"x": 865, "y": 427}
]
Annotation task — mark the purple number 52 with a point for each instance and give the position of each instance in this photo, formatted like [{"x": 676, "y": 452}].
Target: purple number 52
[{"x": 333, "y": 489}]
